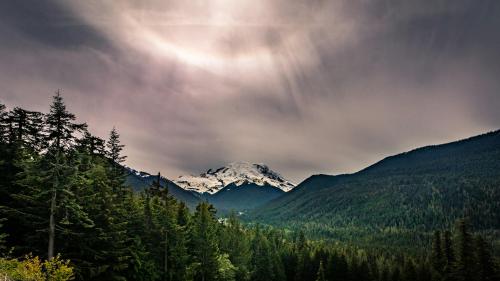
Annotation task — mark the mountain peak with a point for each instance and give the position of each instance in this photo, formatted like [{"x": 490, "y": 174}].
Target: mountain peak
[{"x": 236, "y": 172}]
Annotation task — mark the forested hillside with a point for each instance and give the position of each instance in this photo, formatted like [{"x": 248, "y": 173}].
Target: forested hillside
[
  {"x": 243, "y": 197},
  {"x": 400, "y": 198},
  {"x": 67, "y": 214},
  {"x": 140, "y": 181}
]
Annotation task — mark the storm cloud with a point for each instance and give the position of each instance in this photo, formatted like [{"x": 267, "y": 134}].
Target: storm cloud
[{"x": 304, "y": 86}]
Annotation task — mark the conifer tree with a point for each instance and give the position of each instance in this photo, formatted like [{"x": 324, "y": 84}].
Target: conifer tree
[
  {"x": 92, "y": 145},
  {"x": 3, "y": 124},
  {"x": 337, "y": 267},
  {"x": 179, "y": 242},
  {"x": 396, "y": 274},
  {"x": 61, "y": 126},
  {"x": 61, "y": 131},
  {"x": 26, "y": 129},
  {"x": 448, "y": 255},
  {"x": 226, "y": 270},
  {"x": 437, "y": 257},
  {"x": 410, "y": 271},
  {"x": 204, "y": 242},
  {"x": 234, "y": 242},
  {"x": 320, "y": 276},
  {"x": 113, "y": 254},
  {"x": 116, "y": 172},
  {"x": 115, "y": 147},
  {"x": 464, "y": 264},
  {"x": 303, "y": 257},
  {"x": 486, "y": 265},
  {"x": 261, "y": 258},
  {"x": 46, "y": 198},
  {"x": 2, "y": 236}
]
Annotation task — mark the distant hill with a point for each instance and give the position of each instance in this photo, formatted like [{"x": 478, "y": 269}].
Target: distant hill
[
  {"x": 424, "y": 189},
  {"x": 243, "y": 197},
  {"x": 139, "y": 181}
]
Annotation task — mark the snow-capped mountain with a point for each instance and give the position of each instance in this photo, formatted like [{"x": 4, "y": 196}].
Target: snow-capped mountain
[{"x": 237, "y": 173}]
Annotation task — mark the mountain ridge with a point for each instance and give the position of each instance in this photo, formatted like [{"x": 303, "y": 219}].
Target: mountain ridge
[
  {"x": 422, "y": 189},
  {"x": 239, "y": 173}
]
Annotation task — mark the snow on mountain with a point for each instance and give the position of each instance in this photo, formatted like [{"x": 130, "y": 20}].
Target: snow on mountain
[
  {"x": 137, "y": 173},
  {"x": 238, "y": 173}
]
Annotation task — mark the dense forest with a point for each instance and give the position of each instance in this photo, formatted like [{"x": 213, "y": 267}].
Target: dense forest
[
  {"x": 66, "y": 213},
  {"x": 400, "y": 200}
]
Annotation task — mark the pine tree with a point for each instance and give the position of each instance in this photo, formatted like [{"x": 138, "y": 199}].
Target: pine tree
[
  {"x": 107, "y": 247},
  {"x": 396, "y": 274},
  {"x": 61, "y": 128},
  {"x": 437, "y": 257},
  {"x": 142, "y": 265},
  {"x": 486, "y": 265},
  {"x": 179, "y": 242},
  {"x": 26, "y": 129},
  {"x": 234, "y": 242},
  {"x": 91, "y": 144},
  {"x": 116, "y": 172},
  {"x": 261, "y": 258},
  {"x": 2, "y": 236},
  {"x": 464, "y": 265},
  {"x": 46, "y": 199},
  {"x": 448, "y": 255},
  {"x": 226, "y": 270},
  {"x": 115, "y": 147},
  {"x": 4, "y": 129},
  {"x": 303, "y": 258},
  {"x": 337, "y": 269},
  {"x": 60, "y": 135},
  {"x": 204, "y": 242},
  {"x": 410, "y": 272},
  {"x": 320, "y": 276}
]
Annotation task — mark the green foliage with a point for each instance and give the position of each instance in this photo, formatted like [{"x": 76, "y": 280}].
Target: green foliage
[
  {"x": 33, "y": 269},
  {"x": 204, "y": 242},
  {"x": 69, "y": 196},
  {"x": 3, "y": 236},
  {"x": 400, "y": 200},
  {"x": 226, "y": 270}
]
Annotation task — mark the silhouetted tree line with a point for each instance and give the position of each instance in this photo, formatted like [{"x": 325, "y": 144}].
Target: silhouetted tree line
[{"x": 63, "y": 192}]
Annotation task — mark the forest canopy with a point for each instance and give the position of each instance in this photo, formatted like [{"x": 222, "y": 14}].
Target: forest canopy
[{"x": 66, "y": 213}]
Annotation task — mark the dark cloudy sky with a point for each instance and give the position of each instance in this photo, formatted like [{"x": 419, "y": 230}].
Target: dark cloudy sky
[{"x": 303, "y": 86}]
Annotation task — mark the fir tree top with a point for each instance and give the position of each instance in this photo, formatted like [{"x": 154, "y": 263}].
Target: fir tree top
[
  {"x": 114, "y": 147},
  {"x": 60, "y": 124}
]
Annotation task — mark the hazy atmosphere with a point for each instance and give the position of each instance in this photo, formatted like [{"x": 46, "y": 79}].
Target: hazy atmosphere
[{"x": 303, "y": 86}]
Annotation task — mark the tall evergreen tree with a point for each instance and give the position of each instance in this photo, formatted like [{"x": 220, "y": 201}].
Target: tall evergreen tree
[
  {"x": 261, "y": 258},
  {"x": 4, "y": 127},
  {"x": 448, "y": 255},
  {"x": 204, "y": 242},
  {"x": 437, "y": 256},
  {"x": 115, "y": 147},
  {"x": 106, "y": 240},
  {"x": 234, "y": 242},
  {"x": 92, "y": 145},
  {"x": 464, "y": 264},
  {"x": 179, "y": 242},
  {"x": 60, "y": 135},
  {"x": 61, "y": 126},
  {"x": 337, "y": 267},
  {"x": 26, "y": 129},
  {"x": 320, "y": 276},
  {"x": 486, "y": 265},
  {"x": 114, "y": 153},
  {"x": 2, "y": 236}
]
